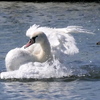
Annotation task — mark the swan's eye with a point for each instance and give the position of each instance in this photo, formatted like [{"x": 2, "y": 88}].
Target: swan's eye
[
  {"x": 33, "y": 38},
  {"x": 31, "y": 41}
]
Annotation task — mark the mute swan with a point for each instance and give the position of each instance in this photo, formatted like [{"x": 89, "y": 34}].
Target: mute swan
[
  {"x": 44, "y": 42},
  {"x": 18, "y": 56}
]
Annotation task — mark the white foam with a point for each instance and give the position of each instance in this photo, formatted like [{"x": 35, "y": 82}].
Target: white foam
[{"x": 37, "y": 70}]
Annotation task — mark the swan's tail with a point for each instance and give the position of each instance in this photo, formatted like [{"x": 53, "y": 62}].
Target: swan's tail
[{"x": 74, "y": 29}]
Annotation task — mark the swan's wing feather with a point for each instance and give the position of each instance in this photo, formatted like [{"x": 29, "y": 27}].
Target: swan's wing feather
[
  {"x": 51, "y": 34},
  {"x": 74, "y": 29},
  {"x": 67, "y": 44},
  {"x": 32, "y": 29}
]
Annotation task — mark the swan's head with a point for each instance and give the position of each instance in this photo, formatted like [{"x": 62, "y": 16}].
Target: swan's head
[{"x": 36, "y": 37}]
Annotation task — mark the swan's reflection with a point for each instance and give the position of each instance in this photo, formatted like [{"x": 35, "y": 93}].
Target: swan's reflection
[{"x": 38, "y": 90}]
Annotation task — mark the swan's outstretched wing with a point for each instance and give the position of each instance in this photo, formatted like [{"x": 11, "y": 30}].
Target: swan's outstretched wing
[
  {"x": 60, "y": 38},
  {"x": 67, "y": 44},
  {"x": 74, "y": 29}
]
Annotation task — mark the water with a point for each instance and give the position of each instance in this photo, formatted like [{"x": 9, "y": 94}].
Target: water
[{"x": 17, "y": 17}]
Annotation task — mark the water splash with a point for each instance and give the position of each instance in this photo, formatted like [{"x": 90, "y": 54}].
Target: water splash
[{"x": 46, "y": 70}]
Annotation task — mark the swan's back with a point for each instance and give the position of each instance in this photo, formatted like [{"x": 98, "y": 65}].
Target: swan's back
[{"x": 17, "y": 57}]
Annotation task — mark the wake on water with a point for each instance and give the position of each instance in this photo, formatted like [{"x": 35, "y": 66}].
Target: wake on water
[
  {"x": 46, "y": 70},
  {"x": 55, "y": 68}
]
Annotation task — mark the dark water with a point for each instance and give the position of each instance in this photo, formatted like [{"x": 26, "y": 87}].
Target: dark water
[{"x": 17, "y": 17}]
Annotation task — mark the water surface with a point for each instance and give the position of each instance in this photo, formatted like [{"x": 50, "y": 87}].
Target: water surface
[{"x": 17, "y": 17}]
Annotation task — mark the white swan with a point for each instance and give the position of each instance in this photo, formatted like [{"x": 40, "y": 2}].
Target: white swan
[
  {"x": 39, "y": 52},
  {"x": 44, "y": 43}
]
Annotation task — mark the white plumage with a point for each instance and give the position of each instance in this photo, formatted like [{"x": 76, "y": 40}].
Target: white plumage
[{"x": 50, "y": 43}]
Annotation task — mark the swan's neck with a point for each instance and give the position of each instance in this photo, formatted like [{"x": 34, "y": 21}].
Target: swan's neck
[{"x": 45, "y": 53}]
